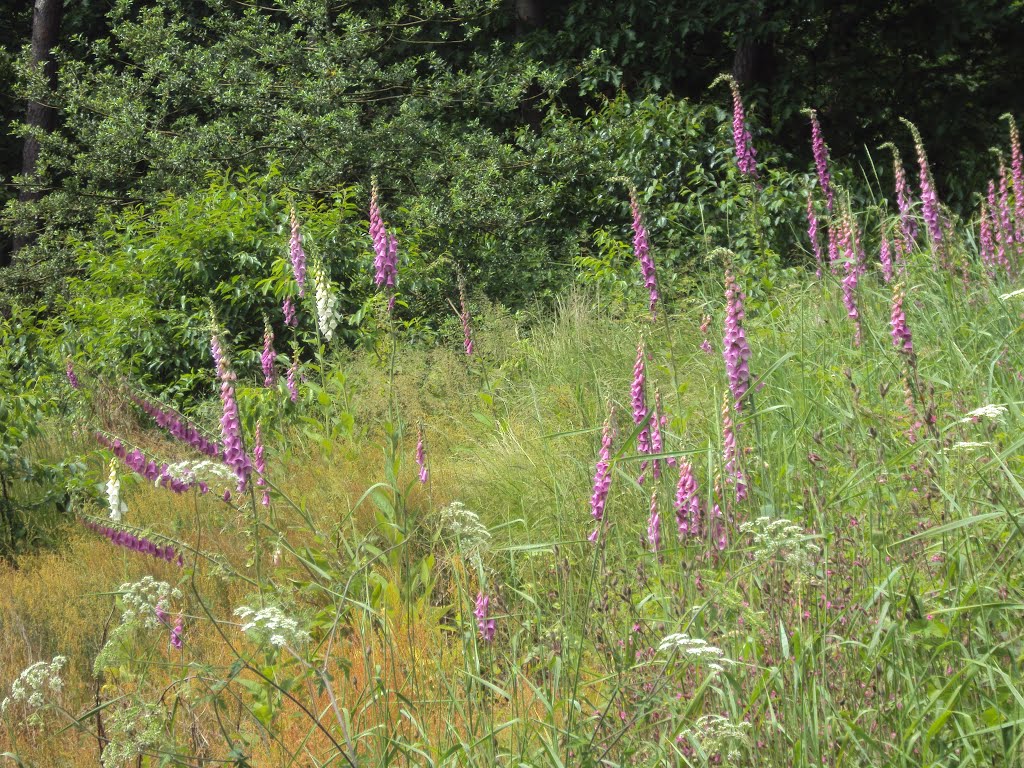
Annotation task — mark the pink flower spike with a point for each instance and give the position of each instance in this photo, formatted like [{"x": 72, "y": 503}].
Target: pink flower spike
[
  {"x": 687, "y": 502},
  {"x": 735, "y": 349},
  {"x": 298, "y": 256},
  {"x": 288, "y": 308},
  {"x": 602, "y": 475},
  {"x": 642, "y": 251},
  {"x": 820, "y": 151},
  {"x": 484, "y": 623},
  {"x": 654, "y": 525},
  {"x": 421, "y": 455}
]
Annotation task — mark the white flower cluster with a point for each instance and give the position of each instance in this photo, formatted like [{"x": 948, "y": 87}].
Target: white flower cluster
[
  {"x": 464, "y": 526},
  {"x": 132, "y": 731},
  {"x": 968, "y": 446},
  {"x": 34, "y": 684},
  {"x": 994, "y": 412},
  {"x": 271, "y": 625},
  {"x": 327, "y": 315},
  {"x": 779, "y": 538},
  {"x": 193, "y": 471},
  {"x": 140, "y": 599},
  {"x": 117, "y": 506},
  {"x": 717, "y": 734},
  {"x": 695, "y": 650}
]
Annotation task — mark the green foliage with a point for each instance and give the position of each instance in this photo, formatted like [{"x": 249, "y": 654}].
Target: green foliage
[
  {"x": 142, "y": 305},
  {"x": 33, "y": 491}
]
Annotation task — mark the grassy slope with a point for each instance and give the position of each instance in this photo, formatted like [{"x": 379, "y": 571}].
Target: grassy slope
[{"x": 885, "y": 630}]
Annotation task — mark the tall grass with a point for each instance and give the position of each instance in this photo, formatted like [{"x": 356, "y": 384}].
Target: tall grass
[{"x": 862, "y": 606}]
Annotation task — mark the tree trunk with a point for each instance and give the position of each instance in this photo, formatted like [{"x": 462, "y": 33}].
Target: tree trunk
[
  {"x": 46, "y": 19},
  {"x": 529, "y": 15}
]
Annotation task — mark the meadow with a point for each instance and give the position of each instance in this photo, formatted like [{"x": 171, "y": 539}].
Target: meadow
[{"x": 774, "y": 521}]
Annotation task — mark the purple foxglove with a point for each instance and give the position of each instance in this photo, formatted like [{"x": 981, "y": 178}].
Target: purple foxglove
[
  {"x": 735, "y": 349},
  {"x": 820, "y": 151},
  {"x": 179, "y": 627},
  {"x": 288, "y": 308},
  {"x": 986, "y": 244},
  {"x": 421, "y": 455},
  {"x": 293, "y": 378},
  {"x": 885, "y": 255},
  {"x": 298, "y": 256},
  {"x": 1004, "y": 232},
  {"x": 705, "y": 324},
  {"x": 602, "y": 477},
  {"x": 642, "y": 251},
  {"x": 230, "y": 425},
  {"x": 654, "y": 525},
  {"x": 999, "y": 254},
  {"x": 267, "y": 356},
  {"x": 69, "y": 369},
  {"x": 385, "y": 248},
  {"x": 730, "y": 454},
  {"x": 1017, "y": 171},
  {"x": 812, "y": 234},
  {"x": 657, "y": 444},
  {"x": 687, "y": 502},
  {"x": 175, "y": 424},
  {"x": 485, "y": 625},
  {"x": 929, "y": 198},
  {"x": 745, "y": 154},
  {"x": 901, "y": 338},
  {"x": 638, "y": 400},
  {"x": 904, "y": 202}
]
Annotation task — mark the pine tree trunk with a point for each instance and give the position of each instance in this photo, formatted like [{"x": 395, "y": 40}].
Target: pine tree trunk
[{"x": 46, "y": 20}]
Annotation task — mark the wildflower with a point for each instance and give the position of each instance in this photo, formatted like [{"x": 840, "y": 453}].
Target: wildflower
[
  {"x": 1017, "y": 171},
  {"x": 833, "y": 248},
  {"x": 288, "y": 308},
  {"x": 485, "y": 625},
  {"x": 267, "y": 356},
  {"x": 901, "y": 338},
  {"x": 730, "y": 455},
  {"x": 385, "y": 248},
  {"x": 654, "y": 524},
  {"x": 465, "y": 525},
  {"x": 694, "y": 650},
  {"x": 687, "y": 502},
  {"x": 1004, "y": 231},
  {"x": 735, "y": 349},
  {"x": 657, "y": 445},
  {"x": 260, "y": 463},
  {"x": 467, "y": 335},
  {"x": 638, "y": 399},
  {"x": 271, "y": 625},
  {"x": 35, "y": 685},
  {"x": 850, "y": 299},
  {"x": 136, "y": 461},
  {"x": 298, "y": 257},
  {"x": 117, "y": 507},
  {"x": 139, "y": 544},
  {"x": 705, "y": 345},
  {"x": 327, "y": 315},
  {"x": 745, "y": 153},
  {"x": 812, "y": 233},
  {"x": 908, "y": 225},
  {"x": 986, "y": 244},
  {"x": 421, "y": 455},
  {"x": 230, "y": 425},
  {"x": 293, "y": 378},
  {"x": 885, "y": 256},
  {"x": 175, "y": 424},
  {"x": 642, "y": 250},
  {"x": 820, "y": 151},
  {"x": 994, "y": 412},
  {"x": 999, "y": 253},
  {"x": 602, "y": 477},
  {"x": 176, "y": 633},
  {"x": 69, "y": 369},
  {"x": 968, "y": 446},
  {"x": 929, "y": 198}
]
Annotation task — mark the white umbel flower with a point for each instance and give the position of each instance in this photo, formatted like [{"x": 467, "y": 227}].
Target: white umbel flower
[{"x": 994, "y": 412}]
